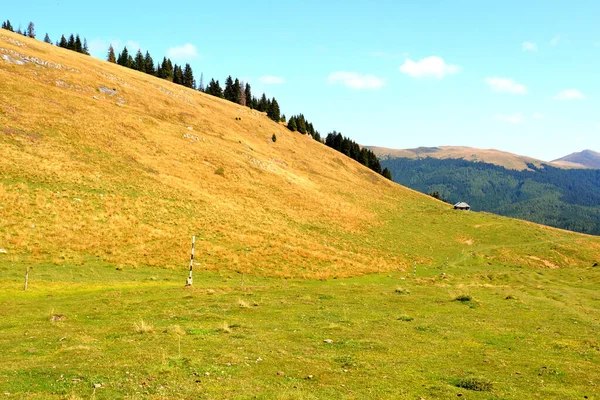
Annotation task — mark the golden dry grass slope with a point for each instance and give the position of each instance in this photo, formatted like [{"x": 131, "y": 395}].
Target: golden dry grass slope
[
  {"x": 99, "y": 163},
  {"x": 491, "y": 156}
]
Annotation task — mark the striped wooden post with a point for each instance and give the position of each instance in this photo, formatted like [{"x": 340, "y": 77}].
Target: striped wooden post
[
  {"x": 190, "y": 280},
  {"x": 26, "y": 278}
]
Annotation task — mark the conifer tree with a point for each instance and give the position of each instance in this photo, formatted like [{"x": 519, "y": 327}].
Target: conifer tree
[
  {"x": 19, "y": 31},
  {"x": 228, "y": 93},
  {"x": 387, "y": 173},
  {"x": 71, "y": 42},
  {"x": 47, "y": 39},
  {"x": 138, "y": 62},
  {"x": 7, "y": 25},
  {"x": 254, "y": 103},
  {"x": 63, "y": 42},
  {"x": 263, "y": 104},
  {"x": 31, "y": 30},
  {"x": 122, "y": 59},
  {"x": 188, "y": 77},
  {"x": 177, "y": 75},
  {"x": 236, "y": 91},
  {"x": 201, "y": 83},
  {"x": 78, "y": 45},
  {"x": 86, "y": 49},
  {"x": 292, "y": 124},
  {"x": 149, "y": 64},
  {"x": 248, "y": 94},
  {"x": 273, "y": 112},
  {"x": 283, "y": 118},
  {"x": 214, "y": 89},
  {"x": 111, "y": 55},
  {"x": 242, "y": 97}
]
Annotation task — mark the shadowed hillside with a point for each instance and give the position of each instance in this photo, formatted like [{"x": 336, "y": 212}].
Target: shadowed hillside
[{"x": 99, "y": 163}]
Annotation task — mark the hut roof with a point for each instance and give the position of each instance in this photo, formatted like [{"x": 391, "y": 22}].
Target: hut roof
[{"x": 462, "y": 204}]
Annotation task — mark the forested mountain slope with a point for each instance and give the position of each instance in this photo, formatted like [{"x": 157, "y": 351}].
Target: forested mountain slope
[{"x": 568, "y": 199}]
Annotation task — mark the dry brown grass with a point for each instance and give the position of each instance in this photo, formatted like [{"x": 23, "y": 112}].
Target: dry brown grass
[
  {"x": 143, "y": 327},
  {"x": 84, "y": 175}
]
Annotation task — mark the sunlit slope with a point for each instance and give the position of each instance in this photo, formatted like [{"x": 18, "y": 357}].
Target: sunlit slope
[
  {"x": 88, "y": 175},
  {"x": 490, "y": 156}
]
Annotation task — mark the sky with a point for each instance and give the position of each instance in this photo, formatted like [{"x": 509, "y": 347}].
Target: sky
[{"x": 519, "y": 76}]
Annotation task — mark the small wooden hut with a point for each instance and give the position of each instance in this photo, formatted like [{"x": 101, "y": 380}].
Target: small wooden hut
[{"x": 462, "y": 206}]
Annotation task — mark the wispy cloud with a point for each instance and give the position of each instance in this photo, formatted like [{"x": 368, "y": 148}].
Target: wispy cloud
[
  {"x": 529, "y": 46},
  {"x": 183, "y": 53},
  {"x": 511, "y": 119},
  {"x": 505, "y": 85},
  {"x": 429, "y": 67},
  {"x": 555, "y": 40},
  {"x": 99, "y": 47},
  {"x": 355, "y": 80},
  {"x": 569, "y": 94},
  {"x": 271, "y": 80}
]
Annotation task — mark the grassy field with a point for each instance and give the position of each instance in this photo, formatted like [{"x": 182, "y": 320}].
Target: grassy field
[
  {"x": 100, "y": 195},
  {"x": 514, "y": 333}
]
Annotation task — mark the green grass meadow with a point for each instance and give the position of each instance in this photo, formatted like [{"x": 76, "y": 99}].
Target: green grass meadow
[{"x": 515, "y": 333}]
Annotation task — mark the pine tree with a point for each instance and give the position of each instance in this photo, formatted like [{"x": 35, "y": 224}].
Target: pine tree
[
  {"x": 188, "y": 77},
  {"x": 242, "y": 96},
  {"x": 214, "y": 89},
  {"x": 301, "y": 123},
  {"x": 201, "y": 84},
  {"x": 273, "y": 111},
  {"x": 177, "y": 75},
  {"x": 292, "y": 124},
  {"x": 63, "y": 42},
  {"x": 228, "y": 91},
  {"x": 86, "y": 49},
  {"x": 248, "y": 93},
  {"x": 19, "y": 31},
  {"x": 111, "y": 55},
  {"x": 149, "y": 64},
  {"x": 7, "y": 25},
  {"x": 71, "y": 42},
  {"x": 78, "y": 45},
  {"x": 236, "y": 91},
  {"x": 283, "y": 118},
  {"x": 263, "y": 104},
  {"x": 138, "y": 63},
  {"x": 31, "y": 30},
  {"x": 388, "y": 174},
  {"x": 47, "y": 39},
  {"x": 130, "y": 62},
  {"x": 123, "y": 57}
]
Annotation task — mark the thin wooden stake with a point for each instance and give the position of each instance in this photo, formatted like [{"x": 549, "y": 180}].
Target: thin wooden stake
[
  {"x": 415, "y": 270},
  {"x": 190, "y": 279},
  {"x": 26, "y": 278}
]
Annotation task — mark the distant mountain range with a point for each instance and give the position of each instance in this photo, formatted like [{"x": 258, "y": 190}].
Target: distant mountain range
[
  {"x": 564, "y": 193},
  {"x": 582, "y": 159}
]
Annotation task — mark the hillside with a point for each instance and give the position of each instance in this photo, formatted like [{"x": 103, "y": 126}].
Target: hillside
[
  {"x": 563, "y": 198},
  {"x": 103, "y": 163},
  {"x": 315, "y": 277},
  {"x": 582, "y": 159},
  {"x": 496, "y": 157}
]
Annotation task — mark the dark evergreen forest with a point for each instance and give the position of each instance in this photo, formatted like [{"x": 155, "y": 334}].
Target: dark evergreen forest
[{"x": 563, "y": 198}]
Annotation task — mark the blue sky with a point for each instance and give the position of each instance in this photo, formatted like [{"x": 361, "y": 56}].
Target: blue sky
[{"x": 520, "y": 76}]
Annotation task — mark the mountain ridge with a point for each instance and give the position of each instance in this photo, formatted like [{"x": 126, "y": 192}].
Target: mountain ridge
[
  {"x": 492, "y": 156},
  {"x": 581, "y": 159}
]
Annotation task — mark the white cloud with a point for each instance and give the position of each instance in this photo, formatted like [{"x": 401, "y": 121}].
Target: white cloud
[
  {"x": 99, "y": 47},
  {"x": 555, "y": 40},
  {"x": 271, "y": 80},
  {"x": 429, "y": 67},
  {"x": 355, "y": 80},
  {"x": 569, "y": 94},
  {"x": 538, "y": 116},
  {"x": 512, "y": 119},
  {"x": 529, "y": 46},
  {"x": 505, "y": 85},
  {"x": 182, "y": 53}
]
